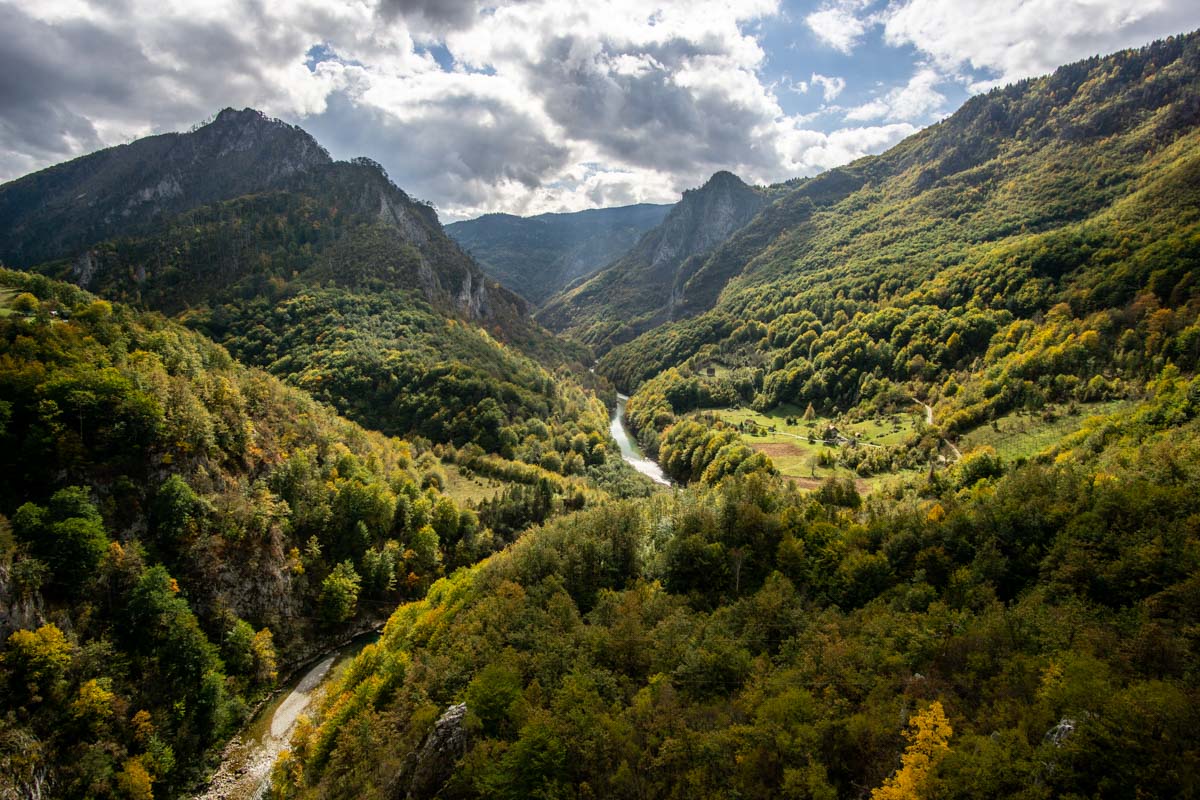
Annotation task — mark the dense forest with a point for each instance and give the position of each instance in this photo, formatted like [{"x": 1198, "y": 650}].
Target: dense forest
[
  {"x": 995, "y": 631},
  {"x": 932, "y": 419},
  {"x": 180, "y": 528}
]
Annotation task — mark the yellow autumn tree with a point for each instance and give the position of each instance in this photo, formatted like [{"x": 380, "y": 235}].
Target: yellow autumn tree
[
  {"x": 928, "y": 737},
  {"x": 135, "y": 781}
]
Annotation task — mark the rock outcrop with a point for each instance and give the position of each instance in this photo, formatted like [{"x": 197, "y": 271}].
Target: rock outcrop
[{"x": 426, "y": 771}]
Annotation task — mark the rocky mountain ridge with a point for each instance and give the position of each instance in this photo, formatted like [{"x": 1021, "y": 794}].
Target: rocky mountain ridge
[
  {"x": 643, "y": 288},
  {"x": 126, "y": 189},
  {"x": 122, "y": 222}
]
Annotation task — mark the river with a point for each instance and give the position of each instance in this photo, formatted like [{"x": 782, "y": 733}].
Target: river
[
  {"x": 245, "y": 772},
  {"x": 629, "y": 449}
]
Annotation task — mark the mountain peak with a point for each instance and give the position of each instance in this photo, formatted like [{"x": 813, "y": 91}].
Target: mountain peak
[
  {"x": 121, "y": 190},
  {"x": 724, "y": 179},
  {"x": 230, "y": 115},
  {"x": 248, "y": 119},
  {"x": 643, "y": 288}
]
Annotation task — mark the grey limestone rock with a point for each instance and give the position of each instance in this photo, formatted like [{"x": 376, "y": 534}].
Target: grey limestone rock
[{"x": 426, "y": 770}]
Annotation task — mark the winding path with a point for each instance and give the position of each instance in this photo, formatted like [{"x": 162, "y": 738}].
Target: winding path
[{"x": 929, "y": 421}]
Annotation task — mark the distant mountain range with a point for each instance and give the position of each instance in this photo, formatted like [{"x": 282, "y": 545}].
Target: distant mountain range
[
  {"x": 643, "y": 287},
  {"x": 539, "y": 256}
]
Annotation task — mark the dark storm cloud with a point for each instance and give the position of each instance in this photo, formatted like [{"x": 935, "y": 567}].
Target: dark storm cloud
[
  {"x": 50, "y": 76},
  {"x": 436, "y": 13},
  {"x": 81, "y": 83}
]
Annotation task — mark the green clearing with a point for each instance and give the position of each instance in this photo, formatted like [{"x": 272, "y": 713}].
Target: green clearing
[
  {"x": 1021, "y": 434},
  {"x": 473, "y": 489},
  {"x": 772, "y": 427},
  {"x": 718, "y": 371},
  {"x": 795, "y": 456},
  {"x": 1024, "y": 434},
  {"x": 7, "y": 296}
]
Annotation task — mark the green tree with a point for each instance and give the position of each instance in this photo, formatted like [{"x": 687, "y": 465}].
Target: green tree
[
  {"x": 69, "y": 536},
  {"x": 236, "y": 647},
  {"x": 339, "y": 593},
  {"x": 174, "y": 509},
  {"x": 25, "y": 303},
  {"x": 490, "y": 697},
  {"x": 426, "y": 555}
]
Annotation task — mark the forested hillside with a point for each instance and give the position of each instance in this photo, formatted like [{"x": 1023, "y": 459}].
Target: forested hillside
[
  {"x": 1032, "y": 254},
  {"x": 539, "y": 256},
  {"x": 176, "y": 530},
  {"x": 1030, "y": 634},
  {"x": 335, "y": 280}
]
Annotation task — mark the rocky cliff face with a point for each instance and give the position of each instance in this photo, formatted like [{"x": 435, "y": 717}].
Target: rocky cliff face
[
  {"x": 645, "y": 286},
  {"x": 426, "y": 771},
  {"x": 703, "y": 219},
  {"x": 20, "y": 607}
]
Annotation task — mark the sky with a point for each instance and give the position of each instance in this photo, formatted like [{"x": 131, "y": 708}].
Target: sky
[{"x": 527, "y": 106}]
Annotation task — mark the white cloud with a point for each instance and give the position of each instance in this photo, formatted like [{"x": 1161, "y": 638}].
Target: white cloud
[
  {"x": 1020, "y": 38},
  {"x": 831, "y": 86},
  {"x": 808, "y": 152},
  {"x": 914, "y": 101},
  {"x": 837, "y": 26},
  {"x": 550, "y": 104}
]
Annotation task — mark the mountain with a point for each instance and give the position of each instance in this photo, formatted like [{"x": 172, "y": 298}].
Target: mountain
[
  {"x": 324, "y": 273},
  {"x": 643, "y": 288},
  {"x": 539, "y": 256},
  {"x": 117, "y": 214},
  {"x": 61, "y": 210}
]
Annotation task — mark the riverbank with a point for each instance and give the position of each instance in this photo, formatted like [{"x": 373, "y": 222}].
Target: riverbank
[{"x": 246, "y": 762}]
